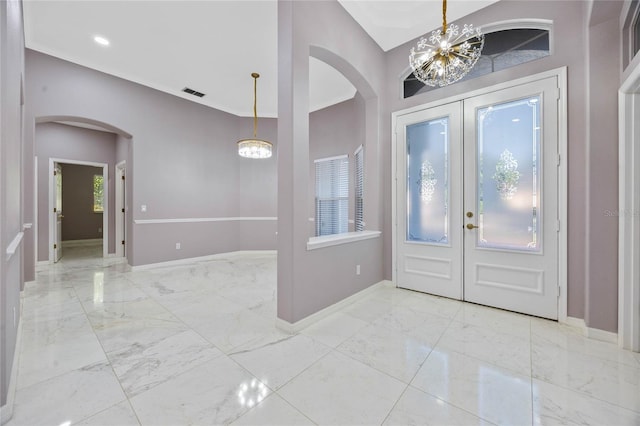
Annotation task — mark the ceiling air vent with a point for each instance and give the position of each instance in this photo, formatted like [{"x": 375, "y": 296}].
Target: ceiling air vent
[{"x": 193, "y": 92}]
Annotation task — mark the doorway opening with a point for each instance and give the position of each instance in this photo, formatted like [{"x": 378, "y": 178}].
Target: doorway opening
[{"x": 92, "y": 202}]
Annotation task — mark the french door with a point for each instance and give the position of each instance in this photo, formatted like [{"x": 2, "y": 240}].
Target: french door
[{"x": 477, "y": 199}]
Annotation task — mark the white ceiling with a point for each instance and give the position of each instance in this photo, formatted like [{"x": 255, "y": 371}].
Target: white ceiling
[{"x": 212, "y": 46}]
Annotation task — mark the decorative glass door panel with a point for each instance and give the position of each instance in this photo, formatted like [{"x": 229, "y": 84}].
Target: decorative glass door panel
[
  {"x": 428, "y": 181},
  {"x": 508, "y": 175}
]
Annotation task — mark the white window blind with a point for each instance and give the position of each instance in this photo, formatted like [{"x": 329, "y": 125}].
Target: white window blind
[
  {"x": 359, "y": 189},
  {"x": 332, "y": 195}
]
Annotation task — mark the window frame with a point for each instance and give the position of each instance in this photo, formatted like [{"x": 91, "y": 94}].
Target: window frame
[
  {"x": 338, "y": 192},
  {"x": 100, "y": 205},
  {"x": 358, "y": 189}
]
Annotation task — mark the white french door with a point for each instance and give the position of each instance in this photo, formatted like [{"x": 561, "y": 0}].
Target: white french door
[{"x": 477, "y": 199}]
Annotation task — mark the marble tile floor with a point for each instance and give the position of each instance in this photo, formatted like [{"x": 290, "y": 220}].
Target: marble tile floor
[{"x": 197, "y": 345}]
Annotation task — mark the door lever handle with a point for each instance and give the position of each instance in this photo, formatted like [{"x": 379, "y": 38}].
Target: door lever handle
[{"x": 471, "y": 226}]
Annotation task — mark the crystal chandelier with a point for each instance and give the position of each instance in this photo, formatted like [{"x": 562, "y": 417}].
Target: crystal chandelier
[
  {"x": 255, "y": 148},
  {"x": 448, "y": 54}
]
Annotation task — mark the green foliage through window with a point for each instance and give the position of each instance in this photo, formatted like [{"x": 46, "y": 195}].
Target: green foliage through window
[{"x": 98, "y": 193}]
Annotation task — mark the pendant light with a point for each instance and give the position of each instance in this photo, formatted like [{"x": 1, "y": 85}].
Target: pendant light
[
  {"x": 254, "y": 147},
  {"x": 448, "y": 54}
]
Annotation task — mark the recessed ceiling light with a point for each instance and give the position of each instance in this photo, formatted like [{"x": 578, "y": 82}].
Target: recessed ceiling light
[{"x": 101, "y": 40}]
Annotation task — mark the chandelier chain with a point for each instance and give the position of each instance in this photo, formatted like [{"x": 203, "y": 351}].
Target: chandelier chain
[
  {"x": 444, "y": 16},
  {"x": 255, "y": 103}
]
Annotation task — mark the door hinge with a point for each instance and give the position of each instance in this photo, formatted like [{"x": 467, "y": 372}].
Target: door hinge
[
  {"x": 122, "y": 177},
  {"x": 558, "y": 291},
  {"x": 123, "y": 210},
  {"x": 55, "y": 246},
  {"x": 558, "y": 226},
  {"x": 55, "y": 210},
  {"x": 54, "y": 173},
  {"x": 122, "y": 241},
  {"x": 559, "y": 159}
]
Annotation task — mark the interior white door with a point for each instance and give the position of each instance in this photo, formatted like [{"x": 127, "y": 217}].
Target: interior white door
[
  {"x": 476, "y": 199},
  {"x": 428, "y": 193},
  {"x": 57, "y": 211},
  {"x": 511, "y": 199}
]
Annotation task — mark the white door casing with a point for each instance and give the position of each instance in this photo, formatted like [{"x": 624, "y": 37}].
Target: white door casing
[
  {"x": 120, "y": 209},
  {"x": 57, "y": 212},
  {"x": 524, "y": 280}
]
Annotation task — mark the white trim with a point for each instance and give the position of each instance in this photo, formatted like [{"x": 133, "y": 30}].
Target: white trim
[
  {"x": 199, "y": 219},
  {"x": 296, "y": 327},
  {"x": 561, "y": 75},
  {"x": 629, "y": 212},
  {"x": 576, "y": 323},
  {"x": 191, "y": 260},
  {"x": 26, "y": 226},
  {"x": 120, "y": 220},
  {"x": 82, "y": 243},
  {"x": 35, "y": 210},
  {"x": 6, "y": 411},
  {"x": 563, "y": 194},
  {"x": 591, "y": 333},
  {"x": 337, "y": 239},
  {"x": 337, "y": 157},
  {"x": 603, "y": 336},
  {"x": 516, "y": 24},
  {"x": 52, "y": 202},
  {"x": 13, "y": 245}
]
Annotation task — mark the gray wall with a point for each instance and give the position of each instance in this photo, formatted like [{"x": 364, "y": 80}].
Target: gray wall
[
  {"x": 61, "y": 141},
  {"x": 592, "y": 147},
  {"x": 11, "y": 183},
  {"x": 306, "y": 282},
  {"x": 181, "y": 160},
  {"x": 80, "y": 222}
]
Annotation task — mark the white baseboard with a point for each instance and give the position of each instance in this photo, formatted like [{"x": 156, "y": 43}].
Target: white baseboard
[
  {"x": 592, "y": 333},
  {"x": 6, "y": 411},
  {"x": 602, "y": 335},
  {"x": 190, "y": 260},
  {"x": 296, "y": 327},
  {"x": 82, "y": 243}
]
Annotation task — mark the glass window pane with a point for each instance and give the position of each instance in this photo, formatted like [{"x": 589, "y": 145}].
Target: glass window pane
[
  {"x": 508, "y": 164},
  {"x": 98, "y": 193},
  {"x": 428, "y": 181}
]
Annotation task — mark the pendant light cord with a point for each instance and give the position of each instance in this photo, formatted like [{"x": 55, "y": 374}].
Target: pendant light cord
[
  {"x": 255, "y": 103},
  {"x": 444, "y": 16}
]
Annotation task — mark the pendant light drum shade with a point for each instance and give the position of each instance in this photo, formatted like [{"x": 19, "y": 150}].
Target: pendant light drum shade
[{"x": 254, "y": 147}]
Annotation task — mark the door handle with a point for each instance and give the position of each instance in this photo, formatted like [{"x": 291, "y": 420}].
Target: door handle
[{"x": 471, "y": 226}]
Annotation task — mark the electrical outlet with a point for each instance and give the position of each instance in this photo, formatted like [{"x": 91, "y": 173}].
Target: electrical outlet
[
  {"x": 177, "y": 246},
  {"x": 143, "y": 208},
  {"x": 357, "y": 269}
]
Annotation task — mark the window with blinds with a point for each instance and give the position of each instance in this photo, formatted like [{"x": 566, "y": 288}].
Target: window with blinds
[
  {"x": 332, "y": 195},
  {"x": 358, "y": 185}
]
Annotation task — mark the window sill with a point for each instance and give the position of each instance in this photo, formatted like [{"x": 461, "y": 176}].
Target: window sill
[{"x": 337, "y": 239}]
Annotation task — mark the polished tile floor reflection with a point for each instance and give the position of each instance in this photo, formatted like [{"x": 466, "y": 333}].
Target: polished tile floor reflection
[{"x": 196, "y": 344}]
